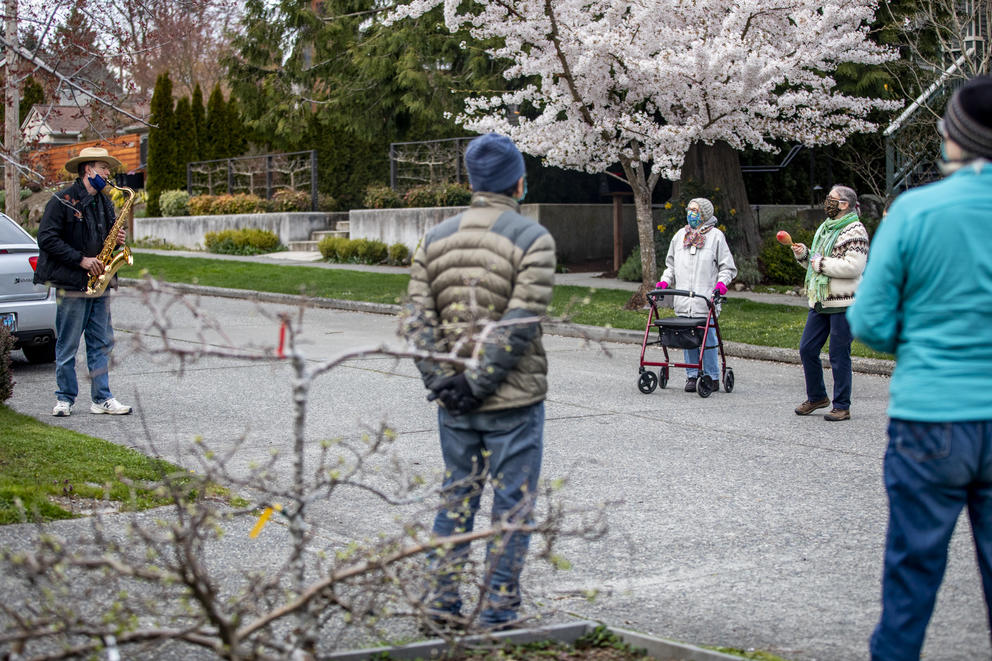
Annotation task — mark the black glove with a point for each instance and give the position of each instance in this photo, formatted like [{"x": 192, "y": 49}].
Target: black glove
[{"x": 455, "y": 394}]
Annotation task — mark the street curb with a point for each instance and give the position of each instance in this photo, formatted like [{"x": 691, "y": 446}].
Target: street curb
[
  {"x": 592, "y": 333},
  {"x": 654, "y": 647}
]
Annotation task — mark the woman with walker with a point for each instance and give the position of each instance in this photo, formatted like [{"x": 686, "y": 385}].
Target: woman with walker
[{"x": 699, "y": 260}]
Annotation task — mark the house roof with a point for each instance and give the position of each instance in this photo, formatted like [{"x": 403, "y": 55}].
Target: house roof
[{"x": 63, "y": 120}]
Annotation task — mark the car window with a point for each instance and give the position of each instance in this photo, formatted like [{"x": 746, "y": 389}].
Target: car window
[{"x": 11, "y": 233}]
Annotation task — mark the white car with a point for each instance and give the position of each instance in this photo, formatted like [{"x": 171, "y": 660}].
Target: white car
[{"x": 27, "y": 310}]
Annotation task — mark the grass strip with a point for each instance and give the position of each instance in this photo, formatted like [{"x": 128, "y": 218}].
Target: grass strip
[
  {"x": 38, "y": 461},
  {"x": 742, "y": 320}
]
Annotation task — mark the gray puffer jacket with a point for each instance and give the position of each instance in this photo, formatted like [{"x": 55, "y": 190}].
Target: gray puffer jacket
[{"x": 487, "y": 264}]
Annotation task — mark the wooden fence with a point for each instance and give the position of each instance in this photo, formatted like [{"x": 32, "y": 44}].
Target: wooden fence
[{"x": 51, "y": 160}]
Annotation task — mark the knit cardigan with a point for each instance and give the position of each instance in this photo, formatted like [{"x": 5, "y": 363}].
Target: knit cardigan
[{"x": 843, "y": 266}]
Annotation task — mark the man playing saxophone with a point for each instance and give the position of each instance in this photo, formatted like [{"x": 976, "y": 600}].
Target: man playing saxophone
[{"x": 77, "y": 222}]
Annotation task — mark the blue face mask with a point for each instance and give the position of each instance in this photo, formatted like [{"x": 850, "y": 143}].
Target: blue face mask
[
  {"x": 524, "y": 194},
  {"x": 693, "y": 218},
  {"x": 98, "y": 182}
]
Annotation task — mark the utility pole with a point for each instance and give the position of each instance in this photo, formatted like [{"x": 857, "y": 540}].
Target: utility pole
[{"x": 12, "y": 128}]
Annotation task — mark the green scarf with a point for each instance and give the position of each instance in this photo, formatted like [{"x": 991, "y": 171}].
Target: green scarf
[{"x": 817, "y": 284}]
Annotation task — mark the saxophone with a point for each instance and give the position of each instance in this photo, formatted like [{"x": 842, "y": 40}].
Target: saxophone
[{"x": 112, "y": 257}]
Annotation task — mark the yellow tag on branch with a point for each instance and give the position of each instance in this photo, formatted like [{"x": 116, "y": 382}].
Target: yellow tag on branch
[{"x": 263, "y": 519}]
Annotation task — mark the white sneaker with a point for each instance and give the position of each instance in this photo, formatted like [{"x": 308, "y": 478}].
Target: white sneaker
[
  {"x": 62, "y": 409},
  {"x": 111, "y": 406}
]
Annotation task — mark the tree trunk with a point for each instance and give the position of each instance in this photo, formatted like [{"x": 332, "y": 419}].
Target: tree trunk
[
  {"x": 718, "y": 166},
  {"x": 12, "y": 129},
  {"x": 643, "y": 187}
]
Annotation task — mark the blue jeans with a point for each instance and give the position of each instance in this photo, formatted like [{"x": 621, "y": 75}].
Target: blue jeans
[
  {"x": 74, "y": 318},
  {"x": 818, "y": 327},
  {"x": 932, "y": 471},
  {"x": 508, "y": 445},
  {"x": 711, "y": 358}
]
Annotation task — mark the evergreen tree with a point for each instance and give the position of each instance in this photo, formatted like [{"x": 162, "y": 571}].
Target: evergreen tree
[
  {"x": 199, "y": 117},
  {"x": 215, "y": 126},
  {"x": 323, "y": 71},
  {"x": 161, "y": 166},
  {"x": 185, "y": 141},
  {"x": 31, "y": 94},
  {"x": 237, "y": 139}
]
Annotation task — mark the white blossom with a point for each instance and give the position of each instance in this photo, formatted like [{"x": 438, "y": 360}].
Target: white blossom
[{"x": 651, "y": 77}]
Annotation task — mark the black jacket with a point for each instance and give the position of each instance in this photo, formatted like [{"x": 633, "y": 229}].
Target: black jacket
[{"x": 74, "y": 226}]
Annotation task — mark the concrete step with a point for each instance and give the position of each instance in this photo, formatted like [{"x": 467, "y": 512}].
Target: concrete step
[
  {"x": 343, "y": 225},
  {"x": 322, "y": 234},
  {"x": 303, "y": 246}
]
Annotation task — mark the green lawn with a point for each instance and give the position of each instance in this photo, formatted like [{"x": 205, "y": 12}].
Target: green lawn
[
  {"x": 39, "y": 460},
  {"x": 742, "y": 320}
]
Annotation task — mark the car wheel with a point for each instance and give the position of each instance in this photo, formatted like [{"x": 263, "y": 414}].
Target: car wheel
[{"x": 43, "y": 353}]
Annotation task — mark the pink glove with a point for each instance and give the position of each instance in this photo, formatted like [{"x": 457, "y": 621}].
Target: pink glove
[
  {"x": 661, "y": 284},
  {"x": 720, "y": 289}
]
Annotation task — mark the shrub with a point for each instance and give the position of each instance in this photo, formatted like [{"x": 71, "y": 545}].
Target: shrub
[
  {"x": 285, "y": 199},
  {"x": 326, "y": 202},
  {"x": 330, "y": 247},
  {"x": 174, "y": 203},
  {"x": 631, "y": 269},
  {"x": 399, "y": 255},
  {"x": 453, "y": 195},
  {"x": 348, "y": 250},
  {"x": 200, "y": 205},
  {"x": 776, "y": 261},
  {"x": 241, "y": 242},
  {"x": 237, "y": 203},
  {"x": 371, "y": 251},
  {"x": 6, "y": 376},
  {"x": 421, "y": 196},
  {"x": 380, "y": 196},
  {"x": 748, "y": 272}
]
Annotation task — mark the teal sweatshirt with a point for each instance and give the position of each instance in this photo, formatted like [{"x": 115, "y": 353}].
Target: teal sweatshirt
[{"x": 926, "y": 296}]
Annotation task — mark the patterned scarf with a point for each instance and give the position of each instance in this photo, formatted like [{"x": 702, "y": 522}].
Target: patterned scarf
[
  {"x": 697, "y": 237},
  {"x": 817, "y": 284}
]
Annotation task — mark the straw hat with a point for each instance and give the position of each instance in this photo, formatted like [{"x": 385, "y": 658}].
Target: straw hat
[{"x": 88, "y": 154}]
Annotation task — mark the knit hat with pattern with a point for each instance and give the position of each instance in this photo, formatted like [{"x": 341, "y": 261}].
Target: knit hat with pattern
[
  {"x": 968, "y": 119},
  {"x": 494, "y": 163},
  {"x": 705, "y": 207}
]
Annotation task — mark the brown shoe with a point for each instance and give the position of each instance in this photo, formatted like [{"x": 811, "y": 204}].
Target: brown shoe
[
  {"x": 808, "y": 407},
  {"x": 836, "y": 415}
]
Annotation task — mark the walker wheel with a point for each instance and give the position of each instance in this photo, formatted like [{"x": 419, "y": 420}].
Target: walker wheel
[
  {"x": 704, "y": 386},
  {"x": 647, "y": 382},
  {"x": 663, "y": 377},
  {"x": 728, "y": 380}
]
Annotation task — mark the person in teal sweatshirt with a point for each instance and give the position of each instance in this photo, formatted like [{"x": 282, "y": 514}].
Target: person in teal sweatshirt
[{"x": 926, "y": 296}]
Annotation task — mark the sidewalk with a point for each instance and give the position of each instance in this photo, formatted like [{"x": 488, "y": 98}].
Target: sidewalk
[{"x": 592, "y": 280}]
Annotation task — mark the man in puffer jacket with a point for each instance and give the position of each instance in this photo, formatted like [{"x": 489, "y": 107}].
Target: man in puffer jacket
[{"x": 479, "y": 284}]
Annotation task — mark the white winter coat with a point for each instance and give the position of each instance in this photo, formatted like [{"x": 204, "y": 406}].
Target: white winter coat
[{"x": 699, "y": 271}]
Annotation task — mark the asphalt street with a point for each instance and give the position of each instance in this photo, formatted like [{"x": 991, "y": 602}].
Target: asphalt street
[{"x": 734, "y": 523}]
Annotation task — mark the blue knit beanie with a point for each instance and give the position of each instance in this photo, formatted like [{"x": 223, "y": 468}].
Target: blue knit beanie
[{"x": 494, "y": 163}]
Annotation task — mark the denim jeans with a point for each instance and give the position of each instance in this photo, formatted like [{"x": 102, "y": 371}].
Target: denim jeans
[
  {"x": 508, "y": 446},
  {"x": 818, "y": 327},
  {"x": 77, "y": 317},
  {"x": 932, "y": 471},
  {"x": 711, "y": 358}
]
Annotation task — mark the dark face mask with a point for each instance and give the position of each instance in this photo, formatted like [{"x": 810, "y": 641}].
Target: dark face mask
[
  {"x": 97, "y": 182},
  {"x": 832, "y": 207}
]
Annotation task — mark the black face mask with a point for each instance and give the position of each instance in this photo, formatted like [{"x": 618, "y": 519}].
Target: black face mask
[{"x": 832, "y": 207}]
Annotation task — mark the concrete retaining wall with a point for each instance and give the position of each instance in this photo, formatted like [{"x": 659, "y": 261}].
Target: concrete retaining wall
[
  {"x": 188, "y": 231},
  {"x": 582, "y": 232}
]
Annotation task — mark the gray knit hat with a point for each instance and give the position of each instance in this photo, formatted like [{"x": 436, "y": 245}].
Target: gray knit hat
[
  {"x": 705, "y": 207},
  {"x": 968, "y": 119}
]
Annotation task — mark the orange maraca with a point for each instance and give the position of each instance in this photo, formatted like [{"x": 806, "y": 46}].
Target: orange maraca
[{"x": 784, "y": 238}]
